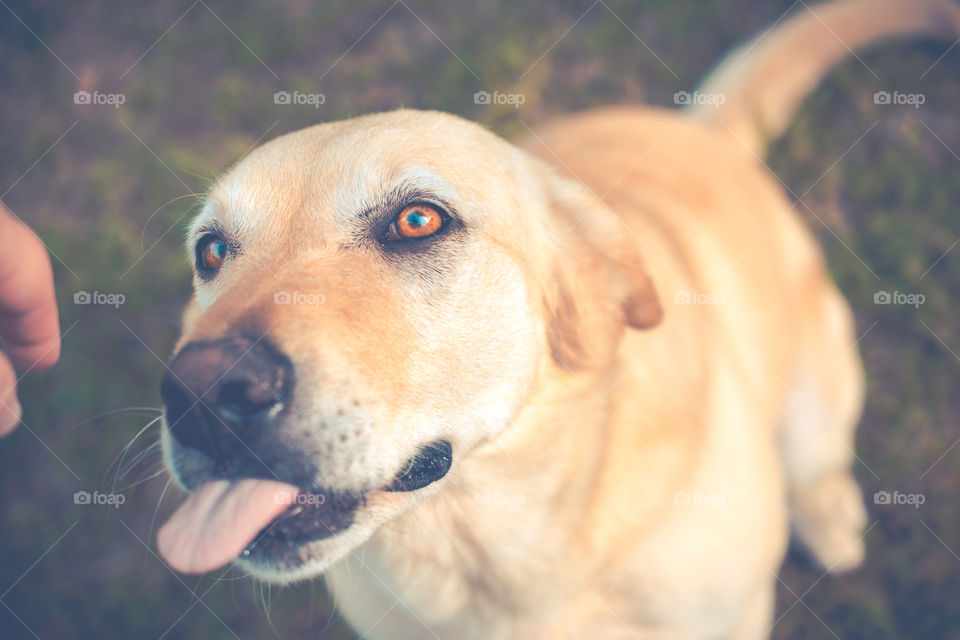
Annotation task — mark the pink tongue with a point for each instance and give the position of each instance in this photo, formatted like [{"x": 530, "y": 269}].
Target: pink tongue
[{"x": 219, "y": 520}]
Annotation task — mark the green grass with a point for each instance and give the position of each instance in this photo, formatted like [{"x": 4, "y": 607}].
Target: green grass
[{"x": 110, "y": 207}]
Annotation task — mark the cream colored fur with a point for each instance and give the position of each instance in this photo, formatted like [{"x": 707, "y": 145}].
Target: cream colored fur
[{"x": 642, "y": 363}]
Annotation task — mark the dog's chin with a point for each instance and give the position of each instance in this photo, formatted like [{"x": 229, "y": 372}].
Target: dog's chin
[
  {"x": 286, "y": 558},
  {"x": 321, "y": 526},
  {"x": 305, "y": 560}
]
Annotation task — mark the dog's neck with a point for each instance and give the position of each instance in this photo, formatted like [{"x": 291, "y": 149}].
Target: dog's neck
[{"x": 484, "y": 569}]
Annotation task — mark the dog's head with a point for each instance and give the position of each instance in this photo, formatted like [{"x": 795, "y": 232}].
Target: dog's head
[{"x": 374, "y": 298}]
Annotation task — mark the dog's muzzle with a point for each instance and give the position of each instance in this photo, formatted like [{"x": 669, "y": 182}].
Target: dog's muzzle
[
  {"x": 222, "y": 395},
  {"x": 227, "y": 399}
]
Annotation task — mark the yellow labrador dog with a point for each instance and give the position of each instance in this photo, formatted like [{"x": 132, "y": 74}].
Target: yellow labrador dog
[{"x": 581, "y": 388}]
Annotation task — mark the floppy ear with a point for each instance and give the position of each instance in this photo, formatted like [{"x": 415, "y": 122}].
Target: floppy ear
[{"x": 598, "y": 284}]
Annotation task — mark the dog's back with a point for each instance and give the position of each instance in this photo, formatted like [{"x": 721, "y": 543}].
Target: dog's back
[
  {"x": 754, "y": 372},
  {"x": 723, "y": 427}
]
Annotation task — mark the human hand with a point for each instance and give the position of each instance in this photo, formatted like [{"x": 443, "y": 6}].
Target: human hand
[{"x": 29, "y": 324}]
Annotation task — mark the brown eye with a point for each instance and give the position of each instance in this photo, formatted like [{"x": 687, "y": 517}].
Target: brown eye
[
  {"x": 416, "y": 221},
  {"x": 211, "y": 253}
]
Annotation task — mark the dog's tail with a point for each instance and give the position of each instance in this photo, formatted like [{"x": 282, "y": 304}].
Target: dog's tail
[{"x": 760, "y": 84}]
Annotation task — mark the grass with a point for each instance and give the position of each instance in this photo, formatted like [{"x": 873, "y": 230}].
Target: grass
[{"x": 111, "y": 200}]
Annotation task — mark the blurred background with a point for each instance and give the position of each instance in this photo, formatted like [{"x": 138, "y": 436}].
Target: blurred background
[{"x": 116, "y": 117}]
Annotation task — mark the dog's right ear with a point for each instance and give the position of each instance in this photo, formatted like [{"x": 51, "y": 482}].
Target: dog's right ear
[{"x": 598, "y": 285}]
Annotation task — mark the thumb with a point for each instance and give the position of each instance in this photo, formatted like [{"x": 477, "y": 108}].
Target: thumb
[{"x": 9, "y": 405}]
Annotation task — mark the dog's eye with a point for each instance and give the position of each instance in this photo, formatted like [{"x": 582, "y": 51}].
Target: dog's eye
[
  {"x": 211, "y": 253},
  {"x": 415, "y": 221}
]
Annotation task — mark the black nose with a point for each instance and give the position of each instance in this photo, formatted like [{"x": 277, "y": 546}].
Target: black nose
[{"x": 220, "y": 394}]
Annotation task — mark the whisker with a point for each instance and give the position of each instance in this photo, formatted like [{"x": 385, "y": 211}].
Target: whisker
[
  {"x": 112, "y": 412},
  {"x": 210, "y": 181},
  {"x": 333, "y": 609},
  {"x": 160, "y": 471},
  {"x": 137, "y": 459},
  {"x": 143, "y": 232},
  {"x": 224, "y": 578},
  {"x": 126, "y": 449},
  {"x": 156, "y": 511},
  {"x": 123, "y": 454},
  {"x": 269, "y": 607},
  {"x": 259, "y": 596}
]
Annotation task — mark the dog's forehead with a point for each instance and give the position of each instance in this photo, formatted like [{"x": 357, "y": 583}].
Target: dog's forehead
[{"x": 323, "y": 177}]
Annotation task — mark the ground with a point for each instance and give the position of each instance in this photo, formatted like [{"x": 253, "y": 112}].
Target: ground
[{"x": 109, "y": 189}]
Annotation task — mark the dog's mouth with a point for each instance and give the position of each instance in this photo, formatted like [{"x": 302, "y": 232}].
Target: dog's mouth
[
  {"x": 270, "y": 522},
  {"x": 313, "y": 516}
]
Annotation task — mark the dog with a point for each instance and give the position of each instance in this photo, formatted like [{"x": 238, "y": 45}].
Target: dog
[{"x": 582, "y": 387}]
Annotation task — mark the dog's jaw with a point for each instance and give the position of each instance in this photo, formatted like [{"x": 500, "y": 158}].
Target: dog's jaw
[
  {"x": 303, "y": 542},
  {"x": 308, "y": 560},
  {"x": 312, "y": 559}
]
